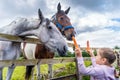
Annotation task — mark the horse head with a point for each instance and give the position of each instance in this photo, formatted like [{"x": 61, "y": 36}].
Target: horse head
[
  {"x": 62, "y": 21},
  {"x": 49, "y": 35}
]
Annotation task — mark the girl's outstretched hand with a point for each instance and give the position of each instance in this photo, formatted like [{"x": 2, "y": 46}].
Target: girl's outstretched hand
[
  {"x": 88, "y": 49},
  {"x": 78, "y": 52},
  {"x": 90, "y": 52}
]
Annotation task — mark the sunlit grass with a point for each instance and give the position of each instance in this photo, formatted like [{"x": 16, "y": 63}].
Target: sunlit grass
[{"x": 19, "y": 71}]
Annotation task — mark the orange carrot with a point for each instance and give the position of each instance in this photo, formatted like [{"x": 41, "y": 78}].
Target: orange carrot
[
  {"x": 88, "y": 46},
  {"x": 75, "y": 42}
]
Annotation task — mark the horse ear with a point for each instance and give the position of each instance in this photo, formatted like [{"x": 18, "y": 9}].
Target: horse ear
[
  {"x": 41, "y": 17},
  {"x": 66, "y": 11},
  {"x": 59, "y": 7}
]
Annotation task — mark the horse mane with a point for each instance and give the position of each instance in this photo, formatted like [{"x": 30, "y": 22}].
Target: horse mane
[{"x": 19, "y": 25}]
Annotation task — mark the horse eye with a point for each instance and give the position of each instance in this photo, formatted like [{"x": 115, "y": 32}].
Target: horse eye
[
  {"x": 61, "y": 18},
  {"x": 49, "y": 27}
]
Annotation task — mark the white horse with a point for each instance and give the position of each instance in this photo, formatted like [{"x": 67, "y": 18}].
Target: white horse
[
  {"x": 37, "y": 51},
  {"x": 43, "y": 28}
]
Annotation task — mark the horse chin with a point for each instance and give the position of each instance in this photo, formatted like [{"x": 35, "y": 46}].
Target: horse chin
[
  {"x": 69, "y": 34},
  {"x": 69, "y": 37},
  {"x": 61, "y": 53}
]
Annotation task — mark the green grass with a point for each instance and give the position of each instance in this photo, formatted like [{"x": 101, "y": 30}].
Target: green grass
[
  {"x": 68, "y": 68},
  {"x": 19, "y": 71}
]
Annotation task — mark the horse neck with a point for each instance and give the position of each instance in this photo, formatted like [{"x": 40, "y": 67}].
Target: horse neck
[{"x": 20, "y": 25}]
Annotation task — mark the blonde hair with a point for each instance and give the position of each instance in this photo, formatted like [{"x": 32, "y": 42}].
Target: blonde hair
[{"x": 108, "y": 54}]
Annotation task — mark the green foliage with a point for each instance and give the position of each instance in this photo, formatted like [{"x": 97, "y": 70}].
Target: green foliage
[
  {"x": 71, "y": 69},
  {"x": 67, "y": 69},
  {"x": 18, "y": 73},
  {"x": 70, "y": 54},
  {"x": 85, "y": 77},
  {"x": 116, "y": 47},
  {"x": 85, "y": 54},
  {"x": 88, "y": 63},
  {"x": 95, "y": 52},
  {"x": 63, "y": 69}
]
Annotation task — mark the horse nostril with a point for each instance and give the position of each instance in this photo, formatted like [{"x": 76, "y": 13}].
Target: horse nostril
[
  {"x": 65, "y": 48},
  {"x": 72, "y": 34}
]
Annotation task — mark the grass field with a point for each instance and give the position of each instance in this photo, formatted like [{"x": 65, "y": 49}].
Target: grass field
[
  {"x": 68, "y": 68},
  {"x": 19, "y": 71}
]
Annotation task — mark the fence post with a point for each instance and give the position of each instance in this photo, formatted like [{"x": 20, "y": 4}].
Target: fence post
[
  {"x": 79, "y": 77},
  {"x": 38, "y": 71},
  {"x": 50, "y": 71}
]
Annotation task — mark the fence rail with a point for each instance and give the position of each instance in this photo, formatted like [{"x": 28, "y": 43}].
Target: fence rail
[
  {"x": 7, "y": 37},
  {"x": 6, "y": 63},
  {"x": 50, "y": 62}
]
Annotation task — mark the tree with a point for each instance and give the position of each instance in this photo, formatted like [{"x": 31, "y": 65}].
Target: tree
[{"x": 116, "y": 47}]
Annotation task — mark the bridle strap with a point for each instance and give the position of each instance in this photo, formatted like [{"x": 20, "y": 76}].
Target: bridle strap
[
  {"x": 63, "y": 28},
  {"x": 59, "y": 25},
  {"x": 54, "y": 19},
  {"x": 68, "y": 27}
]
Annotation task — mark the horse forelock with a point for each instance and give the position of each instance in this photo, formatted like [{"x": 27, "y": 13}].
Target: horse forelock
[
  {"x": 55, "y": 16},
  {"x": 47, "y": 21}
]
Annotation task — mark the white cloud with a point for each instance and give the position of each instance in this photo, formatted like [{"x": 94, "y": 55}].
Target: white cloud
[
  {"x": 93, "y": 20},
  {"x": 90, "y": 20},
  {"x": 100, "y": 38}
]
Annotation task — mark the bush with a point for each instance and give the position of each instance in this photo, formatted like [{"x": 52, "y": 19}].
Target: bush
[
  {"x": 70, "y": 54},
  {"x": 85, "y": 77},
  {"x": 85, "y": 54},
  {"x": 70, "y": 68}
]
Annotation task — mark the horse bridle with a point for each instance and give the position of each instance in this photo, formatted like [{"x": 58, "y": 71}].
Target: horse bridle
[{"x": 62, "y": 28}]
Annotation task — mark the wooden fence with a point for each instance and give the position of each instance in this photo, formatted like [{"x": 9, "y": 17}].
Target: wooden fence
[
  {"x": 50, "y": 62},
  {"x": 6, "y": 63}
]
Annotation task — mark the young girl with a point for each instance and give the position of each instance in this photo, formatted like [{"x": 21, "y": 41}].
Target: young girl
[{"x": 101, "y": 68}]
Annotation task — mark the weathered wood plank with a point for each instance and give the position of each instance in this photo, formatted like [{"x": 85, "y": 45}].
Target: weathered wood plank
[
  {"x": 6, "y": 63},
  {"x": 7, "y": 37},
  {"x": 50, "y": 71},
  {"x": 68, "y": 77}
]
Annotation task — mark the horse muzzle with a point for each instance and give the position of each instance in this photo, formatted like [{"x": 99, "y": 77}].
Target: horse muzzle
[{"x": 62, "y": 52}]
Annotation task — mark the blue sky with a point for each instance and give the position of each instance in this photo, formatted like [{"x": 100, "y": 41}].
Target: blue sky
[{"x": 95, "y": 20}]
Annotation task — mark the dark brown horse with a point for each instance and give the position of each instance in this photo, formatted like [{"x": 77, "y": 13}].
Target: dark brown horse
[
  {"x": 63, "y": 23},
  {"x": 39, "y": 51}
]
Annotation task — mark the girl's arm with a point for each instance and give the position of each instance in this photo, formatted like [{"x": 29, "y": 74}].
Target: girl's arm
[
  {"x": 90, "y": 52},
  {"x": 91, "y": 70}
]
